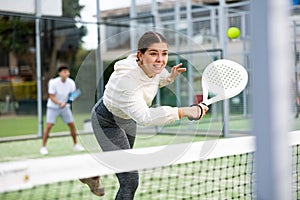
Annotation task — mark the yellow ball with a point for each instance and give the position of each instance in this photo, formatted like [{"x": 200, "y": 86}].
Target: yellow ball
[
  {"x": 26, "y": 177},
  {"x": 233, "y": 32}
]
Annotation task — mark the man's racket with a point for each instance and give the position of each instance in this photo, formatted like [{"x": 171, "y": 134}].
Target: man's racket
[
  {"x": 74, "y": 95},
  {"x": 223, "y": 79}
]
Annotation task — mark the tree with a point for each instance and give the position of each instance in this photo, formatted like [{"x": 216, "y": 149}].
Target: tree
[
  {"x": 16, "y": 38},
  {"x": 60, "y": 40},
  {"x": 16, "y": 35}
]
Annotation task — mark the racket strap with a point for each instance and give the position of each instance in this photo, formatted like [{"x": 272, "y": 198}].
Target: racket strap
[{"x": 201, "y": 112}]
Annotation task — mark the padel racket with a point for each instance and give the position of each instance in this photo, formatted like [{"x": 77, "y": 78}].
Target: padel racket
[
  {"x": 74, "y": 95},
  {"x": 223, "y": 79}
]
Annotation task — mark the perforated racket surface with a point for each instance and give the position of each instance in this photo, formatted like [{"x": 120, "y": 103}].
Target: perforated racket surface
[{"x": 223, "y": 79}]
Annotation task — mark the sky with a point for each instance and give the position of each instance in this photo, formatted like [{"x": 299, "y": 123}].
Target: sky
[
  {"x": 89, "y": 14},
  {"x": 89, "y": 10},
  {"x": 90, "y": 5}
]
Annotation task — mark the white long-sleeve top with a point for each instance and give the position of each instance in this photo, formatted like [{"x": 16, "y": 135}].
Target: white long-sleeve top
[{"x": 129, "y": 94}]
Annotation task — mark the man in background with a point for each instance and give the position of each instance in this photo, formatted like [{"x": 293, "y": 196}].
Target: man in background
[{"x": 59, "y": 89}]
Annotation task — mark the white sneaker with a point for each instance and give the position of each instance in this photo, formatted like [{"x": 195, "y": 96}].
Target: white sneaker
[
  {"x": 78, "y": 147},
  {"x": 43, "y": 151}
]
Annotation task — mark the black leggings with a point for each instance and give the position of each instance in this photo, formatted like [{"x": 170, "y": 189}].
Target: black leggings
[{"x": 114, "y": 133}]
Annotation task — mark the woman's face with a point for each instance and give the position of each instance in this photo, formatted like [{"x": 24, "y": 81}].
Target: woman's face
[{"x": 154, "y": 60}]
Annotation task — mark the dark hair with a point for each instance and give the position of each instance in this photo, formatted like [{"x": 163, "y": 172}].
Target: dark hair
[
  {"x": 62, "y": 67},
  {"x": 149, "y": 38}
]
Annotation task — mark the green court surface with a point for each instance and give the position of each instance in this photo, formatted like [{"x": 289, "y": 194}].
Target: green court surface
[
  {"x": 28, "y": 125},
  {"x": 16, "y": 147},
  {"x": 178, "y": 132},
  {"x": 59, "y": 146}
]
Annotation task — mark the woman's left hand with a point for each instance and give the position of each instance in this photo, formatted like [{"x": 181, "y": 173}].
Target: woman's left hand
[{"x": 175, "y": 71}]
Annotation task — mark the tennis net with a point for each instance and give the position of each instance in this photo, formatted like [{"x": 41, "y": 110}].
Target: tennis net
[{"x": 215, "y": 169}]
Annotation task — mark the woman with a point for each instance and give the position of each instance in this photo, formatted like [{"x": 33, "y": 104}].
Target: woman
[{"x": 127, "y": 99}]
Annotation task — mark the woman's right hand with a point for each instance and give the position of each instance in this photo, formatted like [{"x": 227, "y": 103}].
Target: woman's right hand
[{"x": 195, "y": 112}]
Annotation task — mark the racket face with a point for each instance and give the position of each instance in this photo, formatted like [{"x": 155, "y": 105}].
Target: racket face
[
  {"x": 224, "y": 79},
  {"x": 77, "y": 93},
  {"x": 74, "y": 95}
]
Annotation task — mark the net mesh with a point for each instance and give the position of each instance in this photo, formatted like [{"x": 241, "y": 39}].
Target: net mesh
[{"x": 215, "y": 177}]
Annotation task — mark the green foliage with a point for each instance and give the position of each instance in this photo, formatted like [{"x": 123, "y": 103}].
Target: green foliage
[
  {"x": 16, "y": 35},
  {"x": 71, "y": 8}
]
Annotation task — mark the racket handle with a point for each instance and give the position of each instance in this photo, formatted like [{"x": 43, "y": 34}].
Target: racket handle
[
  {"x": 204, "y": 104},
  {"x": 71, "y": 98}
]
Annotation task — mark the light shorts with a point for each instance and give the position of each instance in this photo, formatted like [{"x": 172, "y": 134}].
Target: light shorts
[{"x": 65, "y": 114}]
